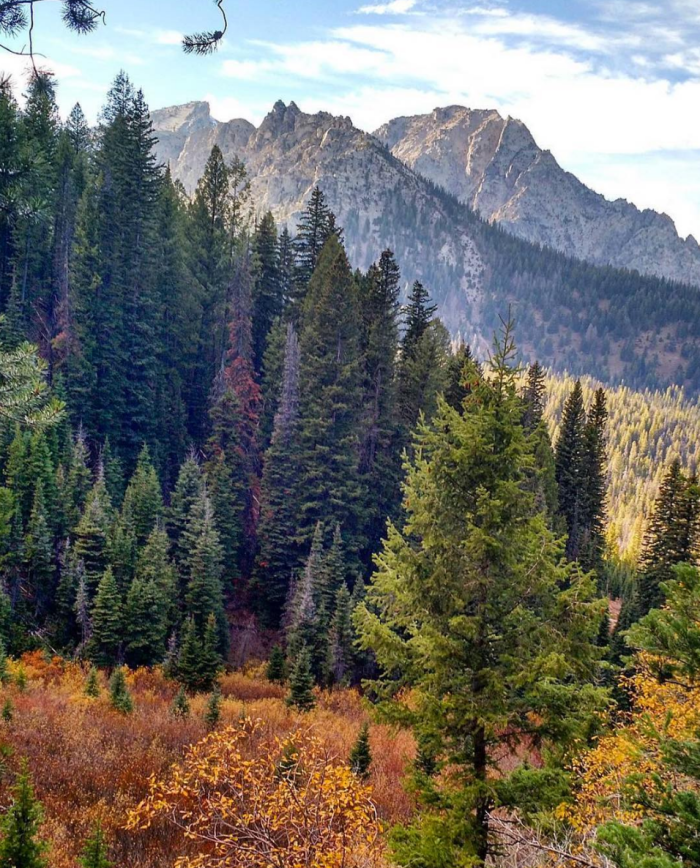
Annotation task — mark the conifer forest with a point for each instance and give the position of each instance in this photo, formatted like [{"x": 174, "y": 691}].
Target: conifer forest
[{"x": 291, "y": 576}]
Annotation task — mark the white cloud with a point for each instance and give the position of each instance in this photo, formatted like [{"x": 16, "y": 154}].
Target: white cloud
[
  {"x": 229, "y": 107},
  {"x": 395, "y": 7},
  {"x": 168, "y": 37}
]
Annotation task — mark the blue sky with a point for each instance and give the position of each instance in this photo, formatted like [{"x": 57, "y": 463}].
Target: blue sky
[{"x": 611, "y": 87}]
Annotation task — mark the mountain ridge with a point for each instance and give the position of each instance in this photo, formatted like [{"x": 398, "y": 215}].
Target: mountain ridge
[{"x": 614, "y": 324}]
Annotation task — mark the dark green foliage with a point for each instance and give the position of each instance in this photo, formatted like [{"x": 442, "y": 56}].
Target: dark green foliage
[
  {"x": 95, "y": 851},
  {"x": 570, "y": 463},
  {"x": 313, "y": 230},
  {"x": 279, "y": 554},
  {"x": 342, "y": 639},
  {"x": 669, "y": 833},
  {"x": 277, "y": 666},
  {"x": 212, "y": 715},
  {"x": 268, "y": 298},
  {"x": 595, "y": 473},
  {"x": 92, "y": 683},
  {"x": 672, "y": 537},
  {"x": 469, "y": 606},
  {"x": 20, "y": 846},
  {"x": 361, "y": 755},
  {"x": 8, "y": 711},
  {"x": 330, "y": 420},
  {"x": 199, "y": 662},
  {"x": 301, "y": 683},
  {"x": 181, "y": 705},
  {"x": 107, "y": 620},
  {"x": 4, "y": 674},
  {"x": 379, "y": 342},
  {"x": 462, "y": 373},
  {"x": 119, "y": 695}
]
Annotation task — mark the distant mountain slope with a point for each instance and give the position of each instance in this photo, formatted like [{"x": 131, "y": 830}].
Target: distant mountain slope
[
  {"x": 494, "y": 165},
  {"x": 646, "y": 431},
  {"x": 610, "y": 323}
]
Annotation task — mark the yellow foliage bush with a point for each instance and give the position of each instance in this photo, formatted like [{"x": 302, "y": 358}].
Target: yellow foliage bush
[
  {"x": 633, "y": 749},
  {"x": 253, "y": 801}
]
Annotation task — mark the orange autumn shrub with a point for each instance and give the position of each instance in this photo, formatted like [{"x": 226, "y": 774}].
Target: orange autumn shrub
[
  {"x": 255, "y": 801},
  {"x": 91, "y": 763}
]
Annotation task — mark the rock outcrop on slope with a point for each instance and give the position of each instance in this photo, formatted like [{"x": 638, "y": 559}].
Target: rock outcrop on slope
[
  {"x": 379, "y": 201},
  {"x": 494, "y": 165},
  {"x": 419, "y": 187}
]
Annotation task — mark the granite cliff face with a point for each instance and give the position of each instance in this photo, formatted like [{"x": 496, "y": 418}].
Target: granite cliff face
[
  {"x": 494, "y": 165},
  {"x": 378, "y": 200},
  {"x": 440, "y": 190}
]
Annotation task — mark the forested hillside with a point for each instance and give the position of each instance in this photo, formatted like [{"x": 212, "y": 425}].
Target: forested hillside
[
  {"x": 646, "y": 432},
  {"x": 224, "y": 447}
]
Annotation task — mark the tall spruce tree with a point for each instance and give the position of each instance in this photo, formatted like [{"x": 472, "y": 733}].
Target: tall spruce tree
[
  {"x": 20, "y": 845},
  {"x": 330, "y": 419},
  {"x": 570, "y": 464},
  {"x": 379, "y": 450},
  {"x": 469, "y": 607},
  {"x": 278, "y": 556},
  {"x": 595, "y": 475},
  {"x": 268, "y": 297},
  {"x": 107, "y": 619},
  {"x": 313, "y": 231},
  {"x": 209, "y": 261},
  {"x": 672, "y": 538}
]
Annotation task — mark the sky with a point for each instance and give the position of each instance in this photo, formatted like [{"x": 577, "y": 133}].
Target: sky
[{"x": 611, "y": 87}]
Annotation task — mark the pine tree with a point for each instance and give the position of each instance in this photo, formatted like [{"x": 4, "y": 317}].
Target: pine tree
[
  {"x": 204, "y": 569},
  {"x": 181, "y": 705},
  {"x": 379, "y": 450},
  {"x": 534, "y": 396},
  {"x": 40, "y": 555},
  {"x": 145, "y": 622},
  {"x": 107, "y": 623},
  {"x": 361, "y": 755},
  {"x": 278, "y": 555},
  {"x": 313, "y": 231},
  {"x": 672, "y": 537},
  {"x": 330, "y": 419},
  {"x": 595, "y": 475},
  {"x": 78, "y": 479},
  {"x": 304, "y": 624},
  {"x": 342, "y": 639},
  {"x": 462, "y": 373},
  {"x": 424, "y": 362},
  {"x": 187, "y": 492},
  {"x": 570, "y": 463},
  {"x": 268, "y": 298},
  {"x": 199, "y": 662},
  {"x": 233, "y": 463},
  {"x": 419, "y": 314},
  {"x": 301, "y": 683},
  {"x": 119, "y": 695},
  {"x": 469, "y": 601},
  {"x": 209, "y": 259},
  {"x": 212, "y": 715},
  {"x": 276, "y": 666},
  {"x": 20, "y": 846},
  {"x": 92, "y": 683},
  {"x": 8, "y": 711},
  {"x": 95, "y": 851},
  {"x": 90, "y": 535},
  {"x": 143, "y": 501}
]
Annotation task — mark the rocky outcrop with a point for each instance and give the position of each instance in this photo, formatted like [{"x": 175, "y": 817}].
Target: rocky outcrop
[
  {"x": 378, "y": 200},
  {"x": 494, "y": 165}
]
